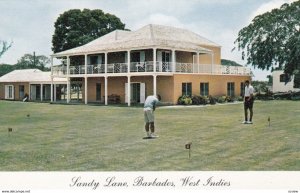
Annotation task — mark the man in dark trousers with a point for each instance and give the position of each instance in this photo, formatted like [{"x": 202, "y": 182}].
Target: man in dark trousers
[
  {"x": 149, "y": 108},
  {"x": 248, "y": 102}
]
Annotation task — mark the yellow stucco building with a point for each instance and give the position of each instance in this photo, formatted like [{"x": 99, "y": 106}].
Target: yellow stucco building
[{"x": 129, "y": 65}]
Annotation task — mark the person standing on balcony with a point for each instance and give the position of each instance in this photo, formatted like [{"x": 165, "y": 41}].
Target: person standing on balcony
[
  {"x": 248, "y": 102},
  {"x": 149, "y": 108}
]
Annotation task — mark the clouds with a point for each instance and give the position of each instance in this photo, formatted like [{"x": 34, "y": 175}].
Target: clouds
[
  {"x": 268, "y": 6},
  {"x": 30, "y": 24}
]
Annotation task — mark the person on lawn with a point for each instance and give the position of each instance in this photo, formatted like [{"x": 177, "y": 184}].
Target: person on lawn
[
  {"x": 248, "y": 102},
  {"x": 149, "y": 108}
]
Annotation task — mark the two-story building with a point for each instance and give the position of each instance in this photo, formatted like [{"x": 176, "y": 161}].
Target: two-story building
[{"x": 155, "y": 59}]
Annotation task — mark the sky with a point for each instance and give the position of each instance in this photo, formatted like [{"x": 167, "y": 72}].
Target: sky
[{"x": 29, "y": 24}]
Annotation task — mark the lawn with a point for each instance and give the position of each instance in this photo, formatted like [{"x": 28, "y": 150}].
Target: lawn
[{"x": 48, "y": 137}]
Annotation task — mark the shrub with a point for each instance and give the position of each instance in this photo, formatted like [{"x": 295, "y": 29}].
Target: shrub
[
  {"x": 212, "y": 100},
  {"x": 184, "y": 100},
  {"x": 199, "y": 100},
  {"x": 229, "y": 99},
  {"x": 221, "y": 99}
]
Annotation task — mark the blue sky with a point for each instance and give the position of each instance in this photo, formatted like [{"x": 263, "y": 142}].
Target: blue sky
[{"x": 30, "y": 24}]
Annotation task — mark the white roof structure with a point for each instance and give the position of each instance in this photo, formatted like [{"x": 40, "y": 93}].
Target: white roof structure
[
  {"x": 30, "y": 75},
  {"x": 147, "y": 37}
]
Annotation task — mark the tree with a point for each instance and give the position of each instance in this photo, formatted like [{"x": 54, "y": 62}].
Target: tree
[
  {"x": 5, "y": 46},
  {"x": 31, "y": 61},
  {"x": 273, "y": 39},
  {"x": 74, "y": 28},
  {"x": 225, "y": 62}
]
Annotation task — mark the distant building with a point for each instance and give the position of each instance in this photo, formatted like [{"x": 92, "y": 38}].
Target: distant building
[
  {"x": 282, "y": 82},
  {"x": 33, "y": 82}
]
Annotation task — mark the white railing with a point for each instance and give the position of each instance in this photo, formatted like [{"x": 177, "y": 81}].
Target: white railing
[{"x": 140, "y": 67}]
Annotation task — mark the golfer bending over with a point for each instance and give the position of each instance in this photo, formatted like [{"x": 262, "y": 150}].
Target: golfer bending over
[
  {"x": 149, "y": 108},
  {"x": 248, "y": 102}
]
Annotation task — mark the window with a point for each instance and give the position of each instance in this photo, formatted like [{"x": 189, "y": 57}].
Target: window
[
  {"x": 242, "y": 89},
  {"x": 9, "y": 92},
  {"x": 98, "y": 91},
  {"x": 204, "y": 89},
  {"x": 21, "y": 91},
  {"x": 187, "y": 88},
  {"x": 230, "y": 89},
  {"x": 285, "y": 78},
  {"x": 93, "y": 60}
]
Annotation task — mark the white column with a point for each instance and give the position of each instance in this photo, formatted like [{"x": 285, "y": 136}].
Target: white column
[
  {"x": 85, "y": 63},
  {"x": 105, "y": 63},
  {"x": 68, "y": 90},
  {"x": 105, "y": 90},
  {"x": 54, "y": 92},
  {"x": 51, "y": 89},
  {"x": 154, "y": 59},
  {"x": 128, "y": 61},
  {"x": 154, "y": 85},
  {"x": 85, "y": 90},
  {"x": 128, "y": 90},
  {"x": 173, "y": 61},
  {"x": 51, "y": 78},
  {"x": 41, "y": 92},
  {"x": 68, "y": 65}
]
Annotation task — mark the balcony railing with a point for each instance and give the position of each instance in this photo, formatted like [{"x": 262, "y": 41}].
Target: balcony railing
[{"x": 140, "y": 67}]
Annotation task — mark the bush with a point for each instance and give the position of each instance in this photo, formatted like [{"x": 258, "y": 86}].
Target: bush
[
  {"x": 212, "y": 100},
  {"x": 240, "y": 98},
  {"x": 184, "y": 100},
  {"x": 221, "y": 99},
  {"x": 229, "y": 99},
  {"x": 199, "y": 100}
]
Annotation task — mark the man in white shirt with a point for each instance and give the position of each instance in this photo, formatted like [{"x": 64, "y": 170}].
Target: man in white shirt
[
  {"x": 149, "y": 108},
  {"x": 248, "y": 102}
]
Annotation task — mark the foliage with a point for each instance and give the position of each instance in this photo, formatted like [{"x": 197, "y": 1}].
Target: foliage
[
  {"x": 260, "y": 86},
  {"x": 225, "y": 62},
  {"x": 31, "y": 61},
  {"x": 272, "y": 39},
  {"x": 184, "y": 100},
  {"x": 5, "y": 46},
  {"x": 74, "y": 28},
  {"x": 6, "y": 68},
  {"x": 199, "y": 100},
  {"x": 27, "y": 61}
]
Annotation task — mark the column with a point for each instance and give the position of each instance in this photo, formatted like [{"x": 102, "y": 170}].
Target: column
[
  {"x": 85, "y": 63},
  {"x": 128, "y": 90},
  {"x": 105, "y": 90},
  {"x": 128, "y": 61},
  {"x": 68, "y": 90},
  {"x": 154, "y": 59},
  {"x": 173, "y": 61},
  {"x": 51, "y": 89},
  {"x": 85, "y": 90},
  {"x": 54, "y": 93},
  {"x": 41, "y": 92},
  {"x": 68, "y": 65},
  {"x": 105, "y": 63},
  {"x": 154, "y": 85},
  {"x": 51, "y": 79}
]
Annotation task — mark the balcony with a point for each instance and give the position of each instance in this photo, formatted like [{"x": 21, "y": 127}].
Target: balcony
[{"x": 161, "y": 67}]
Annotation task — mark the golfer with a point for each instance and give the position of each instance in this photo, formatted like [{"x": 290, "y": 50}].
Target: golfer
[
  {"x": 149, "y": 108},
  {"x": 248, "y": 102}
]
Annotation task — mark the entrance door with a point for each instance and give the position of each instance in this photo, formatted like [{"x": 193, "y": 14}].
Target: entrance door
[
  {"x": 137, "y": 92},
  {"x": 98, "y": 92}
]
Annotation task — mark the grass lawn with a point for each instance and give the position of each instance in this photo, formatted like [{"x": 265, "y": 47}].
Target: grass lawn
[{"x": 106, "y": 138}]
